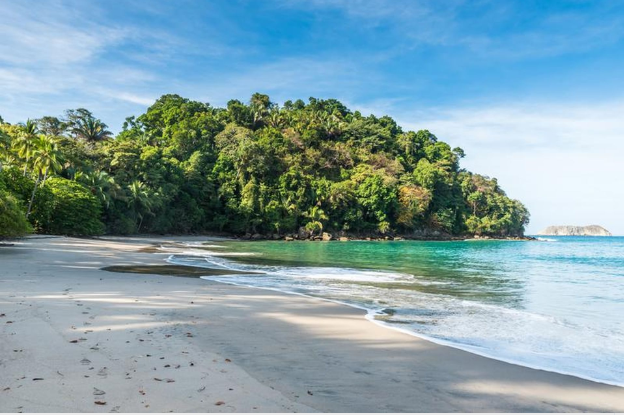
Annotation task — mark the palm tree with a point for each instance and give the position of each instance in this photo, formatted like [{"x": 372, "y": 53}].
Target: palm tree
[
  {"x": 5, "y": 144},
  {"x": 26, "y": 142},
  {"x": 333, "y": 125},
  {"x": 45, "y": 159},
  {"x": 82, "y": 124},
  {"x": 316, "y": 216},
  {"x": 276, "y": 119},
  {"x": 139, "y": 200},
  {"x": 91, "y": 129},
  {"x": 101, "y": 185}
]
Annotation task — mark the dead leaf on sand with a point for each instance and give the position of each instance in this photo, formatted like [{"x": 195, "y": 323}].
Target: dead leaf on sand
[
  {"x": 73, "y": 341},
  {"x": 219, "y": 403},
  {"x": 164, "y": 380},
  {"x": 100, "y": 402},
  {"x": 228, "y": 360},
  {"x": 9, "y": 322},
  {"x": 141, "y": 391},
  {"x": 37, "y": 378}
]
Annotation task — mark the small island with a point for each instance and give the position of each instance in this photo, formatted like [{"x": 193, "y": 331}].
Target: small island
[{"x": 590, "y": 230}]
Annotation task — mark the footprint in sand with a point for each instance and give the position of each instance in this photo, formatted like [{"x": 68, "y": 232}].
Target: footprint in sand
[
  {"x": 103, "y": 373},
  {"x": 85, "y": 361}
]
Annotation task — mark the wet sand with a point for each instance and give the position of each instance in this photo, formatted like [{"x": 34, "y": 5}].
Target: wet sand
[{"x": 75, "y": 338}]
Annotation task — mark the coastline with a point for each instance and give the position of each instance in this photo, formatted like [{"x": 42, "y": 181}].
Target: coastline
[
  {"x": 329, "y": 237},
  {"x": 287, "y": 353},
  {"x": 370, "y": 314}
]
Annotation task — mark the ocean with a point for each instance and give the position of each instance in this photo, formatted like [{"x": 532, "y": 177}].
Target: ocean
[{"x": 556, "y": 304}]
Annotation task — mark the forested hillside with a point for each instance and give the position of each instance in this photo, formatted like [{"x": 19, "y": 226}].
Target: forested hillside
[{"x": 251, "y": 168}]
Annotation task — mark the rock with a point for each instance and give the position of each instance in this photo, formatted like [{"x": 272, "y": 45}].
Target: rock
[
  {"x": 398, "y": 238},
  {"x": 289, "y": 238},
  {"x": 303, "y": 233},
  {"x": 257, "y": 236},
  {"x": 327, "y": 236},
  {"x": 343, "y": 239},
  {"x": 591, "y": 230},
  {"x": 276, "y": 237}
]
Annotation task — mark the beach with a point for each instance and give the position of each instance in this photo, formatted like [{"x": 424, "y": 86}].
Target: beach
[{"x": 76, "y": 338}]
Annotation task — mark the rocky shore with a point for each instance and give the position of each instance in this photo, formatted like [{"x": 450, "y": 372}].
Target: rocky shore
[{"x": 424, "y": 235}]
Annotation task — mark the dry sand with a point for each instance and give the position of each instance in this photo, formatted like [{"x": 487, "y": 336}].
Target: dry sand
[{"x": 73, "y": 335}]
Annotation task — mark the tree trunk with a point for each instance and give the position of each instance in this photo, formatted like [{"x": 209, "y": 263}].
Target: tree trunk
[{"x": 32, "y": 197}]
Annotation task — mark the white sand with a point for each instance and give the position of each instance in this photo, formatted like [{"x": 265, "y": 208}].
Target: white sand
[{"x": 228, "y": 348}]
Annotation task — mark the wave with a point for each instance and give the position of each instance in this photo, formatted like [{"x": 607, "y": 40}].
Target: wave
[{"x": 489, "y": 330}]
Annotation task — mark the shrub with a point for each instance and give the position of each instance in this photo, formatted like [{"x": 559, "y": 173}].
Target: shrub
[
  {"x": 72, "y": 210},
  {"x": 13, "y": 180},
  {"x": 21, "y": 187},
  {"x": 12, "y": 217}
]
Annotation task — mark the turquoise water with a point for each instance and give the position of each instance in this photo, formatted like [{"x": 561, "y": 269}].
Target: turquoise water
[{"x": 556, "y": 305}]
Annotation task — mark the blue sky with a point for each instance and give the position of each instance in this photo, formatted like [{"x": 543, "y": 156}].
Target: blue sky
[{"x": 532, "y": 90}]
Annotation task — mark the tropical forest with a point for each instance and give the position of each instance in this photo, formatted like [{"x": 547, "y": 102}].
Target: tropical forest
[{"x": 254, "y": 169}]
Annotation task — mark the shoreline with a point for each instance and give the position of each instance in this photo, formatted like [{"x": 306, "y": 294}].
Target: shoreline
[
  {"x": 376, "y": 314},
  {"x": 369, "y": 315},
  {"x": 286, "y": 353}
]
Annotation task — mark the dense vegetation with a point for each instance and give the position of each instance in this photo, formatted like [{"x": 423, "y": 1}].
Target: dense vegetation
[{"x": 185, "y": 166}]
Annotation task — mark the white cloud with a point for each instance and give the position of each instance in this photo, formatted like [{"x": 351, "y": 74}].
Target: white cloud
[
  {"x": 136, "y": 99},
  {"x": 534, "y": 125},
  {"x": 59, "y": 57},
  {"x": 563, "y": 160},
  {"x": 51, "y": 34}
]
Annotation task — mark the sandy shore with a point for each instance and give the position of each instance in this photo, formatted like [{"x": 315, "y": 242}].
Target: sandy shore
[{"x": 75, "y": 338}]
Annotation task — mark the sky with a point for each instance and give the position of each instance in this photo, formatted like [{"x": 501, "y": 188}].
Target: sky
[{"x": 533, "y": 91}]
